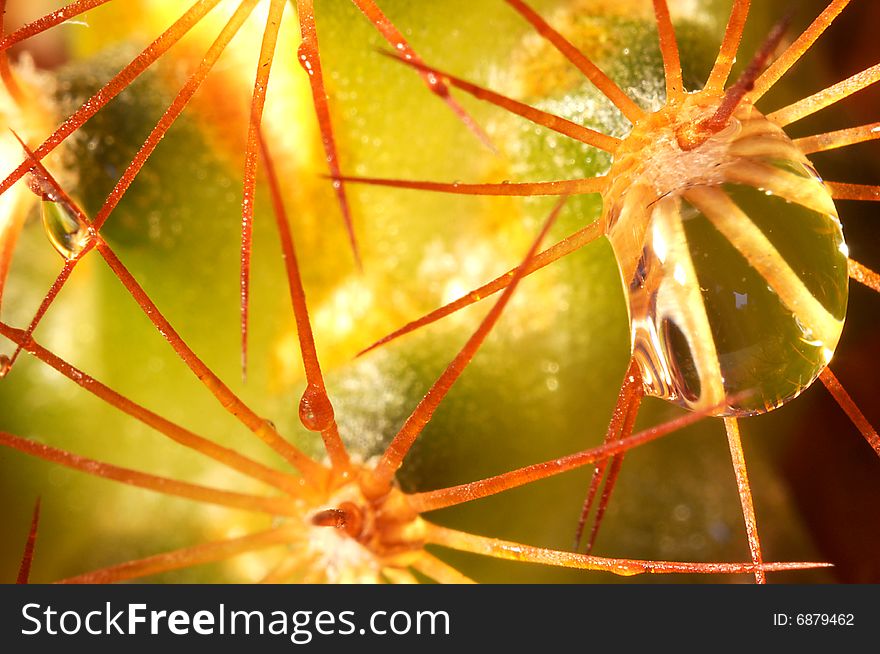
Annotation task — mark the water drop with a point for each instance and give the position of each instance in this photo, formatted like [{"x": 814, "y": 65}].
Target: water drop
[
  {"x": 315, "y": 410},
  {"x": 65, "y": 231},
  {"x": 304, "y": 57},
  {"x": 5, "y": 365},
  {"x": 736, "y": 293}
]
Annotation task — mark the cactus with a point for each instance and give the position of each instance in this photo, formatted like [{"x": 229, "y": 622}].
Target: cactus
[{"x": 541, "y": 379}]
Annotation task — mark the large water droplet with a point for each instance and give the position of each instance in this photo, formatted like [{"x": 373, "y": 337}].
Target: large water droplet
[
  {"x": 65, "y": 231},
  {"x": 315, "y": 410},
  {"x": 736, "y": 296}
]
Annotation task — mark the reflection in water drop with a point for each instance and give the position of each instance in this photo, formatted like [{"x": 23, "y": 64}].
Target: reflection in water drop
[
  {"x": 65, "y": 231},
  {"x": 315, "y": 410}
]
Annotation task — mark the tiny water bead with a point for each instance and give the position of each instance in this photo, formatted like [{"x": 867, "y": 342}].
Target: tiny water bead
[
  {"x": 305, "y": 54},
  {"x": 66, "y": 232},
  {"x": 315, "y": 410},
  {"x": 732, "y": 258}
]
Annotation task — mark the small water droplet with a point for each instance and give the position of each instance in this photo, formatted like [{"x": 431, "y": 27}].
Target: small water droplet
[
  {"x": 65, "y": 231},
  {"x": 315, "y": 410},
  {"x": 304, "y": 57},
  {"x": 5, "y": 365}
]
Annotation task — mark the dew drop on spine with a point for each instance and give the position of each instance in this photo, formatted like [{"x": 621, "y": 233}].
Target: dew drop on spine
[
  {"x": 315, "y": 410},
  {"x": 67, "y": 234}
]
